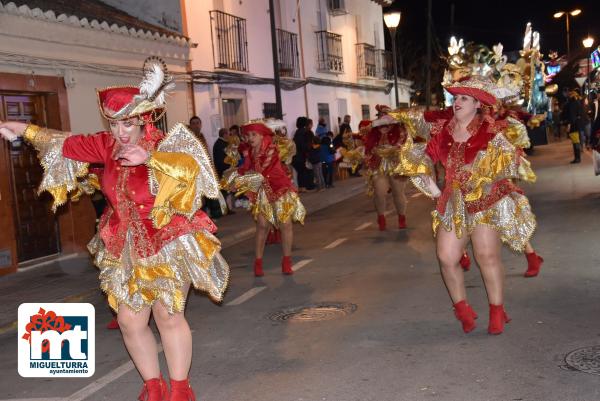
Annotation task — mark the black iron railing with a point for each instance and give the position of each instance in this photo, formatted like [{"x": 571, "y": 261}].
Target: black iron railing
[
  {"x": 329, "y": 52},
  {"x": 366, "y": 61},
  {"x": 385, "y": 65},
  {"x": 229, "y": 40},
  {"x": 287, "y": 47}
]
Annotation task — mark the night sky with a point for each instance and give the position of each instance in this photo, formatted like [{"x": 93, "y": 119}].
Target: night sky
[{"x": 498, "y": 21}]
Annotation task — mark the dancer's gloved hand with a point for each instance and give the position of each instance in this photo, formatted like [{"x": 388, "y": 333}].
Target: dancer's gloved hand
[
  {"x": 132, "y": 155},
  {"x": 11, "y": 130}
]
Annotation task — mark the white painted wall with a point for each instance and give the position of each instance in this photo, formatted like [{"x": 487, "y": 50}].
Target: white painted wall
[
  {"x": 88, "y": 59},
  {"x": 362, "y": 24}
]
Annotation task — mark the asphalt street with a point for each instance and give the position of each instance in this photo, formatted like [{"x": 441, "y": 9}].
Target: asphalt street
[{"x": 381, "y": 326}]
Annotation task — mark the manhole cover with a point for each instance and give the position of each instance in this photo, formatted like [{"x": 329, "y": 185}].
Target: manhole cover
[
  {"x": 314, "y": 312},
  {"x": 585, "y": 360}
]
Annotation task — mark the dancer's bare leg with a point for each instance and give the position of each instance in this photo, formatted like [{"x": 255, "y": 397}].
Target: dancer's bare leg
[
  {"x": 176, "y": 338},
  {"x": 139, "y": 340},
  {"x": 449, "y": 251},
  {"x": 398, "y": 185},
  {"x": 487, "y": 250},
  {"x": 529, "y": 248},
  {"x": 381, "y": 187},
  {"x": 287, "y": 237},
  {"x": 262, "y": 230}
]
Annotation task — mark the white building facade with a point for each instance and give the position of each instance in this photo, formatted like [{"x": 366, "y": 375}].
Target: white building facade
[
  {"x": 330, "y": 59},
  {"x": 52, "y": 59}
]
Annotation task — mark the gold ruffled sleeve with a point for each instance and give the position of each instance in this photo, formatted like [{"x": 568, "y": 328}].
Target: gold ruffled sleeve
[
  {"x": 499, "y": 161},
  {"x": 286, "y": 148},
  {"x": 354, "y": 157},
  {"x": 413, "y": 162},
  {"x": 413, "y": 119},
  {"x": 516, "y": 133},
  {"x": 177, "y": 194},
  {"x": 249, "y": 182},
  {"x": 176, "y": 175},
  {"x": 61, "y": 175}
]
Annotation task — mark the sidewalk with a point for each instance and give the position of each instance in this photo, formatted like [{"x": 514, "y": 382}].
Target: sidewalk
[{"x": 74, "y": 279}]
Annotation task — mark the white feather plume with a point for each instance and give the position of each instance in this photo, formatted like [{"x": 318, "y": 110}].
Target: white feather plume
[{"x": 152, "y": 81}]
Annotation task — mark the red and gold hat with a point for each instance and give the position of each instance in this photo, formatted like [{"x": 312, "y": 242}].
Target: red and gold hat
[
  {"x": 147, "y": 100},
  {"x": 476, "y": 87},
  {"x": 264, "y": 126},
  {"x": 386, "y": 119}
]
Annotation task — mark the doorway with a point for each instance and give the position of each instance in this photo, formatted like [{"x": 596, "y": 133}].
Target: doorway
[
  {"x": 234, "y": 107},
  {"x": 36, "y": 227}
]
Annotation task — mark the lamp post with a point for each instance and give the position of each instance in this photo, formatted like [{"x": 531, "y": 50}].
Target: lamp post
[
  {"x": 588, "y": 43},
  {"x": 392, "y": 20},
  {"x": 572, "y": 13}
]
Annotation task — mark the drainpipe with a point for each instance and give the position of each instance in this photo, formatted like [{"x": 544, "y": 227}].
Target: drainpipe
[
  {"x": 302, "y": 56},
  {"x": 188, "y": 63}
]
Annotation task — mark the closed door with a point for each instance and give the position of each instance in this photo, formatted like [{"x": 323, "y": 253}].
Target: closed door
[{"x": 36, "y": 226}]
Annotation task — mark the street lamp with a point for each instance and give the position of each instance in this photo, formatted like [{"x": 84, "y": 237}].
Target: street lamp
[
  {"x": 572, "y": 13},
  {"x": 588, "y": 43},
  {"x": 392, "y": 20}
]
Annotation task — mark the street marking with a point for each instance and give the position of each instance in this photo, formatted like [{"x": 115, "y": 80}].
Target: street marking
[
  {"x": 246, "y": 296},
  {"x": 388, "y": 212},
  {"x": 105, "y": 380},
  {"x": 35, "y": 399},
  {"x": 57, "y": 259},
  {"x": 95, "y": 386},
  {"x": 336, "y": 243},
  {"x": 362, "y": 226},
  {"x": 301, "y": 264},
  {"x": 415, "y": 195}
]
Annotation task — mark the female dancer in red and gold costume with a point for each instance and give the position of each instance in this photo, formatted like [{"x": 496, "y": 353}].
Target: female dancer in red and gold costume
[
  {"x": 383, "y": 145},
  {"x": 153, "y": 240},
  {"x": 274, "y": 201},
  {"x": 479, "y": 200}
]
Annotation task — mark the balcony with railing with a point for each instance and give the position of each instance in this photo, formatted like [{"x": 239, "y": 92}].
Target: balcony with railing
[
  {"x": 384, "y": 65},
  {"x": 287, "y": 53},
  {"x": 329, "y": 52},
  {"x": 366, "y": 64},
  {"x": 229, "y": 41}
]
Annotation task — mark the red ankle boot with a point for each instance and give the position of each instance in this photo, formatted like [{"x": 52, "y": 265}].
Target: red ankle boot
[
  {"x": 401, "y": 221},
  {"x": 286, "y": 265},
  {"x": 465, "y": 262},
  {"x": 181, "y": 391},
  {"x": 154, "y": 390},
  {"x": 534, "y": 264},
  {"x": 381, "y": 222},
  {"x": 498, "y": 317},
  {"x": 258, "y": 270},
  {"x": 465, "y": 313}
]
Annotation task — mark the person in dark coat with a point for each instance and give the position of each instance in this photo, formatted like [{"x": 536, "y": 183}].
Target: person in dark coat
[{"x": 303, "y": 142}]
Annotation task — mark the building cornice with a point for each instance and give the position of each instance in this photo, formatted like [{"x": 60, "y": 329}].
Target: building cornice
[
  {"x": 83, "y": 23},
  {"x": 61, "y": 66},
  {"x": 289, "y": 84}
]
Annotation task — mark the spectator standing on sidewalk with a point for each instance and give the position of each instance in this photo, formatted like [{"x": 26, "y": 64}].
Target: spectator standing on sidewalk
[
  {"x": 572, "y": 115},
  {"x": 314, "y": 158},
  {"x": 302, "y": 141},
  {"x": 321, "y": 130},
  {"x": 327, "y": 153},
  {"x": 219, "y": 155}
]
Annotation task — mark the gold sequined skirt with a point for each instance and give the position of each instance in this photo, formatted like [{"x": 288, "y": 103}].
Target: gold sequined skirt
[
  {"x": 139, "y": 282},
  {"x": 287, "y": 207},
  {"x": 511, "y": 217}
]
